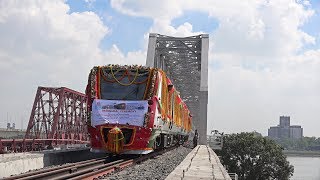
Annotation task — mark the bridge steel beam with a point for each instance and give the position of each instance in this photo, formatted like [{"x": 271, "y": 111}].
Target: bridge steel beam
[
  {"x": 204, "y": 88},
  {"x": 58, "y": 116},
  {"x": 185, "y": 60}
]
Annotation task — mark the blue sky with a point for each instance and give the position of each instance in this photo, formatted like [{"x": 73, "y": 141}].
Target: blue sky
[
  {"x": 127, "y": 32},
  {"x": 201, "y": 22},
  {"x": 312, "y": 27}
]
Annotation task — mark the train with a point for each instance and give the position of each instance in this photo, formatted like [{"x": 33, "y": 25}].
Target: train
[{"x": 134, "y": 110}]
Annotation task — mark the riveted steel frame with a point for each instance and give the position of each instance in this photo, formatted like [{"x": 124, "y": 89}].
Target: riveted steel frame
[
  {"x": 58, "y": 114},
  {"x": 185, "y": 60}
]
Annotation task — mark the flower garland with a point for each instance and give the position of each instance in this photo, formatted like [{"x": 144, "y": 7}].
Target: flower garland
[
  {"x": 92, "y": 79},
  {"x": 109, "y": 72},
  {"x": 164, "y": 96},
  {"x": 126, "y": 72},
  {"x": 152, "y": 89},
  {"x": 105, "y": 76},
  {"x": 170, "y": 105},
  {"x": 147, "y": 88},
  {"x": 176, "y": 110}
]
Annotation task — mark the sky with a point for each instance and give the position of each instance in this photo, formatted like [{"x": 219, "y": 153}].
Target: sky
[{"x": 264, "y": 55}]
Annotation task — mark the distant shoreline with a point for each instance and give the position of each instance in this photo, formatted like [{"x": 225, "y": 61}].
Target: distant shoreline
[{"x": 301, "y": 153}]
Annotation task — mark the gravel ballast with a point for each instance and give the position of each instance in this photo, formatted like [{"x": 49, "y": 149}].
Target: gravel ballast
[{"x": 158, "y": 167}]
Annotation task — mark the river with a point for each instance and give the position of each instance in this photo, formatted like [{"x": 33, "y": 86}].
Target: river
[{"x": 305, "y": 168}]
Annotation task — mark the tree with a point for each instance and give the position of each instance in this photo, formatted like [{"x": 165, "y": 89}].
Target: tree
[
  {"x": 254, "y": 157},
  {"x": 301, "y": 144}
]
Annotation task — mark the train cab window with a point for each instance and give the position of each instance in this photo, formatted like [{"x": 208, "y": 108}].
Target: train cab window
[{"x": 123, "y": 88}]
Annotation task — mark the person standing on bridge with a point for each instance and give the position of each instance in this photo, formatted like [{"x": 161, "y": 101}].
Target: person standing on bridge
[{"x": 195, "y": 138}]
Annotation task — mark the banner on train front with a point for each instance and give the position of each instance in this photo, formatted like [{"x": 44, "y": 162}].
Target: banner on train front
[{"x": 118, "y": 112}]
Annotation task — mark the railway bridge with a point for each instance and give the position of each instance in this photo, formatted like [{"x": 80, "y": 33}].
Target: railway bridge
[{"x": 58, "y": 118}]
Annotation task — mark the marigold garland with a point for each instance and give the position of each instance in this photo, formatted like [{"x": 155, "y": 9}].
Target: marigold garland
[
  {"x": 176, "y": 112},
  {"x": 170, "y": 105},
  {"x": 148, "y": 84},
  {"x": 164, "y": 96},
  {"x": 135, "y": 77},
  {"x": 126, "y": 73}
]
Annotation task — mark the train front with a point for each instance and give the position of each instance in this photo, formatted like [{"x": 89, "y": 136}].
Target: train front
[{"x": 118, "y": 117}]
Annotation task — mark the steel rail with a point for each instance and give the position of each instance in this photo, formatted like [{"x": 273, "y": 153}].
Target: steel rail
[
  {"x": 93, "y": 170},
  {"x": 38, "y": 173},
  {"x": 89, "y": 169},
  {"x": 104, "y": 172}
]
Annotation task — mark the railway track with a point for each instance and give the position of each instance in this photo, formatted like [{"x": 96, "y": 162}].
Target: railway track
[{"x": 89, "y": 169}]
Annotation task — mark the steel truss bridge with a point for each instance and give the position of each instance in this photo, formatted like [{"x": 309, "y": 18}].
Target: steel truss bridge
[{"x": 58, "y": 117}]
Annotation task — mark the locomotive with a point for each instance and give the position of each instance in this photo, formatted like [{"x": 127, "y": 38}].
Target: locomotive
[{"x": 134, "y": 110}]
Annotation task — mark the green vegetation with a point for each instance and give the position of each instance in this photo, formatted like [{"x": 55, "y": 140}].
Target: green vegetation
[
  {"x": 253, "y": 157},
  {"x": 304, "y": 144}
]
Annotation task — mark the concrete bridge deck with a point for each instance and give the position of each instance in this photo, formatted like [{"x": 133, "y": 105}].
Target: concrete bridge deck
[{"x": 201, "y": 163}]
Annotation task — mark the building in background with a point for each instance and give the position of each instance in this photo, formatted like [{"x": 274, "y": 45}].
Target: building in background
[
  {"x": 6, "y": 133},
  {"x": 284, "y": 130}
]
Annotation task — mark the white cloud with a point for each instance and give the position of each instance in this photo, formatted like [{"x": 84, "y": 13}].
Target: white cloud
[
  {"x": 115, "y": 56},
  {"x": 162, "y": 12},
  {"x": 256, "y": 44},
  {"x": 165, "y": 9},
  {"x": 43, "y": 44},
  {"x": 164, "y": 27},
  {"x": 264, "y": 28},
  {"x": 246, "y": 100}
]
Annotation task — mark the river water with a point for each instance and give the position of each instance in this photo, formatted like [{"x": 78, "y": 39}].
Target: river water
[{"x": 305, "y": 168}]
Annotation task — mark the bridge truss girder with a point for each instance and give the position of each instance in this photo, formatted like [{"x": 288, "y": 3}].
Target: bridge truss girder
[
  {"x": 58, "y": 115},
  {"x": 185, "y": 60}
]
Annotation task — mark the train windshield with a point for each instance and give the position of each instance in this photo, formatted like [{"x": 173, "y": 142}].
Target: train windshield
[{"x": 123, "y": 84}]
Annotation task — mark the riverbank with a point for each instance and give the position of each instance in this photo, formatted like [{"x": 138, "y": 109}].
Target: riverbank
[{"x": 301, "y": 153}]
